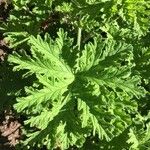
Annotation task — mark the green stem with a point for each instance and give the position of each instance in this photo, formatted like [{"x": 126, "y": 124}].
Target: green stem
[{"x": 79, "y": 38}]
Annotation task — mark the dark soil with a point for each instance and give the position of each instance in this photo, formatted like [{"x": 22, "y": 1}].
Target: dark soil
[
  {"x": 10, "y": 130},
  {"x": 4, "y": 12},
  {"x": 3, "y": 49},
  {"x": 5, "y": 7},
  {"x": 9, "y": 125}
]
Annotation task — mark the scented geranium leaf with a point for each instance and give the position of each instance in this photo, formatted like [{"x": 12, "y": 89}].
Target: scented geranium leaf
[
  {"x": 139, "y": 134},
  {"x": 47, "y": 116},
  {"x": 117, "y": 54},
  {"x": 37, "y": 97},
  {"x": 142, "y": 60},
  {"x": 103, "y": 54},
  {"x": 96, "y": 96},
  {"x": 53, "y": 90},
  {"x": 104, "y": 81},
  {"x": 49, "y": 47},
  {"x": 109, "y": 79},
  {"x": 51, "y": 50},
  {"x": 57, "y": 132},
  {"x": 112, "y": 77},
  {"x": 53, "y": 73},
  {"x": 86, "y": 61},
  {"x": 86, "y": 116},
  {"x": 133, "y": 139},
  {"x": 46, "y": 58}
]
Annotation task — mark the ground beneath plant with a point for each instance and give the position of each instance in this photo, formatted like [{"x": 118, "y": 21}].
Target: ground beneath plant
[
  {"x": 9, "y": 125},
  {"x": 10, "y": 130},
  {"x": 4, "y": 12}
]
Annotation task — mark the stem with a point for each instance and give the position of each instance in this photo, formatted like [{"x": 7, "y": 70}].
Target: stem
[{"x": 79, "y": 38}]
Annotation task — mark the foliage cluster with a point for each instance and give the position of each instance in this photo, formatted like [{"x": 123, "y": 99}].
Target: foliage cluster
[{"x": 88, "y": 63}]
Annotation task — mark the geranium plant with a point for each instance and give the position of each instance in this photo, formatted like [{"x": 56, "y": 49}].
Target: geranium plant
[{"x": 90, "y": 60}]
